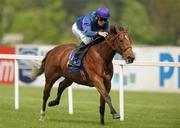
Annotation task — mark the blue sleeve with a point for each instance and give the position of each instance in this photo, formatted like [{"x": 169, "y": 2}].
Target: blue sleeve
[{"x": 86, "y": 25}]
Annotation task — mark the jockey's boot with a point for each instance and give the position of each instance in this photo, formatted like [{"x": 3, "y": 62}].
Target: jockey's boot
[{"x": 78, "y": 55}]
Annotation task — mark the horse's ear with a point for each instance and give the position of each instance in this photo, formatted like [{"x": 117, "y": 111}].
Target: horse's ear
[{"x": 126, "y": 28}]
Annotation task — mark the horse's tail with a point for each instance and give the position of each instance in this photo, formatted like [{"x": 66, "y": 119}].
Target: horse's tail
[{"x": 38, "y": 69}]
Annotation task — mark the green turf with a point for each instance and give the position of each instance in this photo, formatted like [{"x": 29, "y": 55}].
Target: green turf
[{"x": 142, "y": 110}]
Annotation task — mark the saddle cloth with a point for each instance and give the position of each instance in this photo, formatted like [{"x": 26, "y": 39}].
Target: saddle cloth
[
  {"x": 78, "y": 70},
  {"x": 79, "y": 62}
]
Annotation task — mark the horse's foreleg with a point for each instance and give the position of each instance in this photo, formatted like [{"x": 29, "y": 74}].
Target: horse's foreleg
[
  {"x": 62, "y": 86},
  {"x": 102, "y": 109},
  {"x": 107, "y": 98},
  {"x": 101, "y": 88},
  {"x": 108, "y": 89},
  {"x": 107, "y": 84}
]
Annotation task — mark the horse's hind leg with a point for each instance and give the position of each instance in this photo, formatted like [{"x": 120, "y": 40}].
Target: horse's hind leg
[
  {"x": 62, "y": 86},
  {"x": 46, "y": 94}
]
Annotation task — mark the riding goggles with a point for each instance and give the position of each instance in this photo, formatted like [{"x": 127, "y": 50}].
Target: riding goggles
[{"x": 102, "y": 19}]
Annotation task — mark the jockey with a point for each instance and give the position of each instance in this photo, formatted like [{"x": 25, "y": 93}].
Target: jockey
[{"x": 86, "y": 28}]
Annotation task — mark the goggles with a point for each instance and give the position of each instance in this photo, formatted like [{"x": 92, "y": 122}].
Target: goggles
[{"x": 102, "y": 19}]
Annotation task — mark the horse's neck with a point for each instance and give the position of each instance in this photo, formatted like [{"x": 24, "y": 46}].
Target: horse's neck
[{"x": 105, "y": 51}]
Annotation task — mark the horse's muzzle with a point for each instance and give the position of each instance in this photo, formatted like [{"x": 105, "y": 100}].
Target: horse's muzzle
[{"x": 129, "y": 60}]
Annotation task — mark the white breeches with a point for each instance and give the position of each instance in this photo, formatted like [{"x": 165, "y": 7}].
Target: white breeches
[{"x": 79, "y": 34}]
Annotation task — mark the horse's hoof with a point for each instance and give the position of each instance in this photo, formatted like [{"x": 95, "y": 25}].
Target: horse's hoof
[
  {"x": 116, "y": 116},
  {"x": 53, "y": 103},
  {"x": 41, "y": 118}
]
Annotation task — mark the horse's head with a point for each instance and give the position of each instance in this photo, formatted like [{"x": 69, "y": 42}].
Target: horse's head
[{"x": 120, "y": 41}]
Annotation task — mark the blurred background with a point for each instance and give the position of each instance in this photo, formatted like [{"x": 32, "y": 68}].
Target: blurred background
[
  {"x": 151, "y": 22},
  {"x": 33, "y": 27}
]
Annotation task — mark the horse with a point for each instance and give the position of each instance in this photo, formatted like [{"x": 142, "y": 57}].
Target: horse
[{"x": 97, "y": 68}]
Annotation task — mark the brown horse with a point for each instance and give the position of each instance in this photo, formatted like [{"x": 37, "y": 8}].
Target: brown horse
[{"x": 97, "y": 68}]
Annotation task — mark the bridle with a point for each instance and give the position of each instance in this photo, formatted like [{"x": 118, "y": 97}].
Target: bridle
[{"x": 118, "y": 42}]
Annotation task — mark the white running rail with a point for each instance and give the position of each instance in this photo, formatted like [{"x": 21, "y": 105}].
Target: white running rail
[{"x": 70, "y": 100}]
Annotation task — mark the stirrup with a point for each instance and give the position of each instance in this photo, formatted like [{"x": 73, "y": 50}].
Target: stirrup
[{"x": 74, "y": 63}]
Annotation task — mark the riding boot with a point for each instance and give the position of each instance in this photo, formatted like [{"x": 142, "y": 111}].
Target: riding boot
[
  {"x": 81, "y": 50},
  {"x": 78, "y": 55}
]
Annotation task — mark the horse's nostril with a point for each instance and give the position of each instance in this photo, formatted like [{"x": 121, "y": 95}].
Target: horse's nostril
[
  {"x": 132, "y": 59},
  {"x": 129, "y": 59}
]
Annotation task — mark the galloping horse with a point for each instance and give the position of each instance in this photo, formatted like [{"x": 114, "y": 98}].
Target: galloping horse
[{"x": 97, "y": 68}]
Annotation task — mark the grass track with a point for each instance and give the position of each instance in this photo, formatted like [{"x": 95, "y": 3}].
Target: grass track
[{"x": 142, "y": 110}]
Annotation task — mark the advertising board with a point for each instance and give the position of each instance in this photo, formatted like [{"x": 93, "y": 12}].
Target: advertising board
[{"x": 6, "y": 66}]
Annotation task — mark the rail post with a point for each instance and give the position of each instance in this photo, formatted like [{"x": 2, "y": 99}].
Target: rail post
[
  {"x": 16, "y": 87},
  {"x": 121, "y": 94}
]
